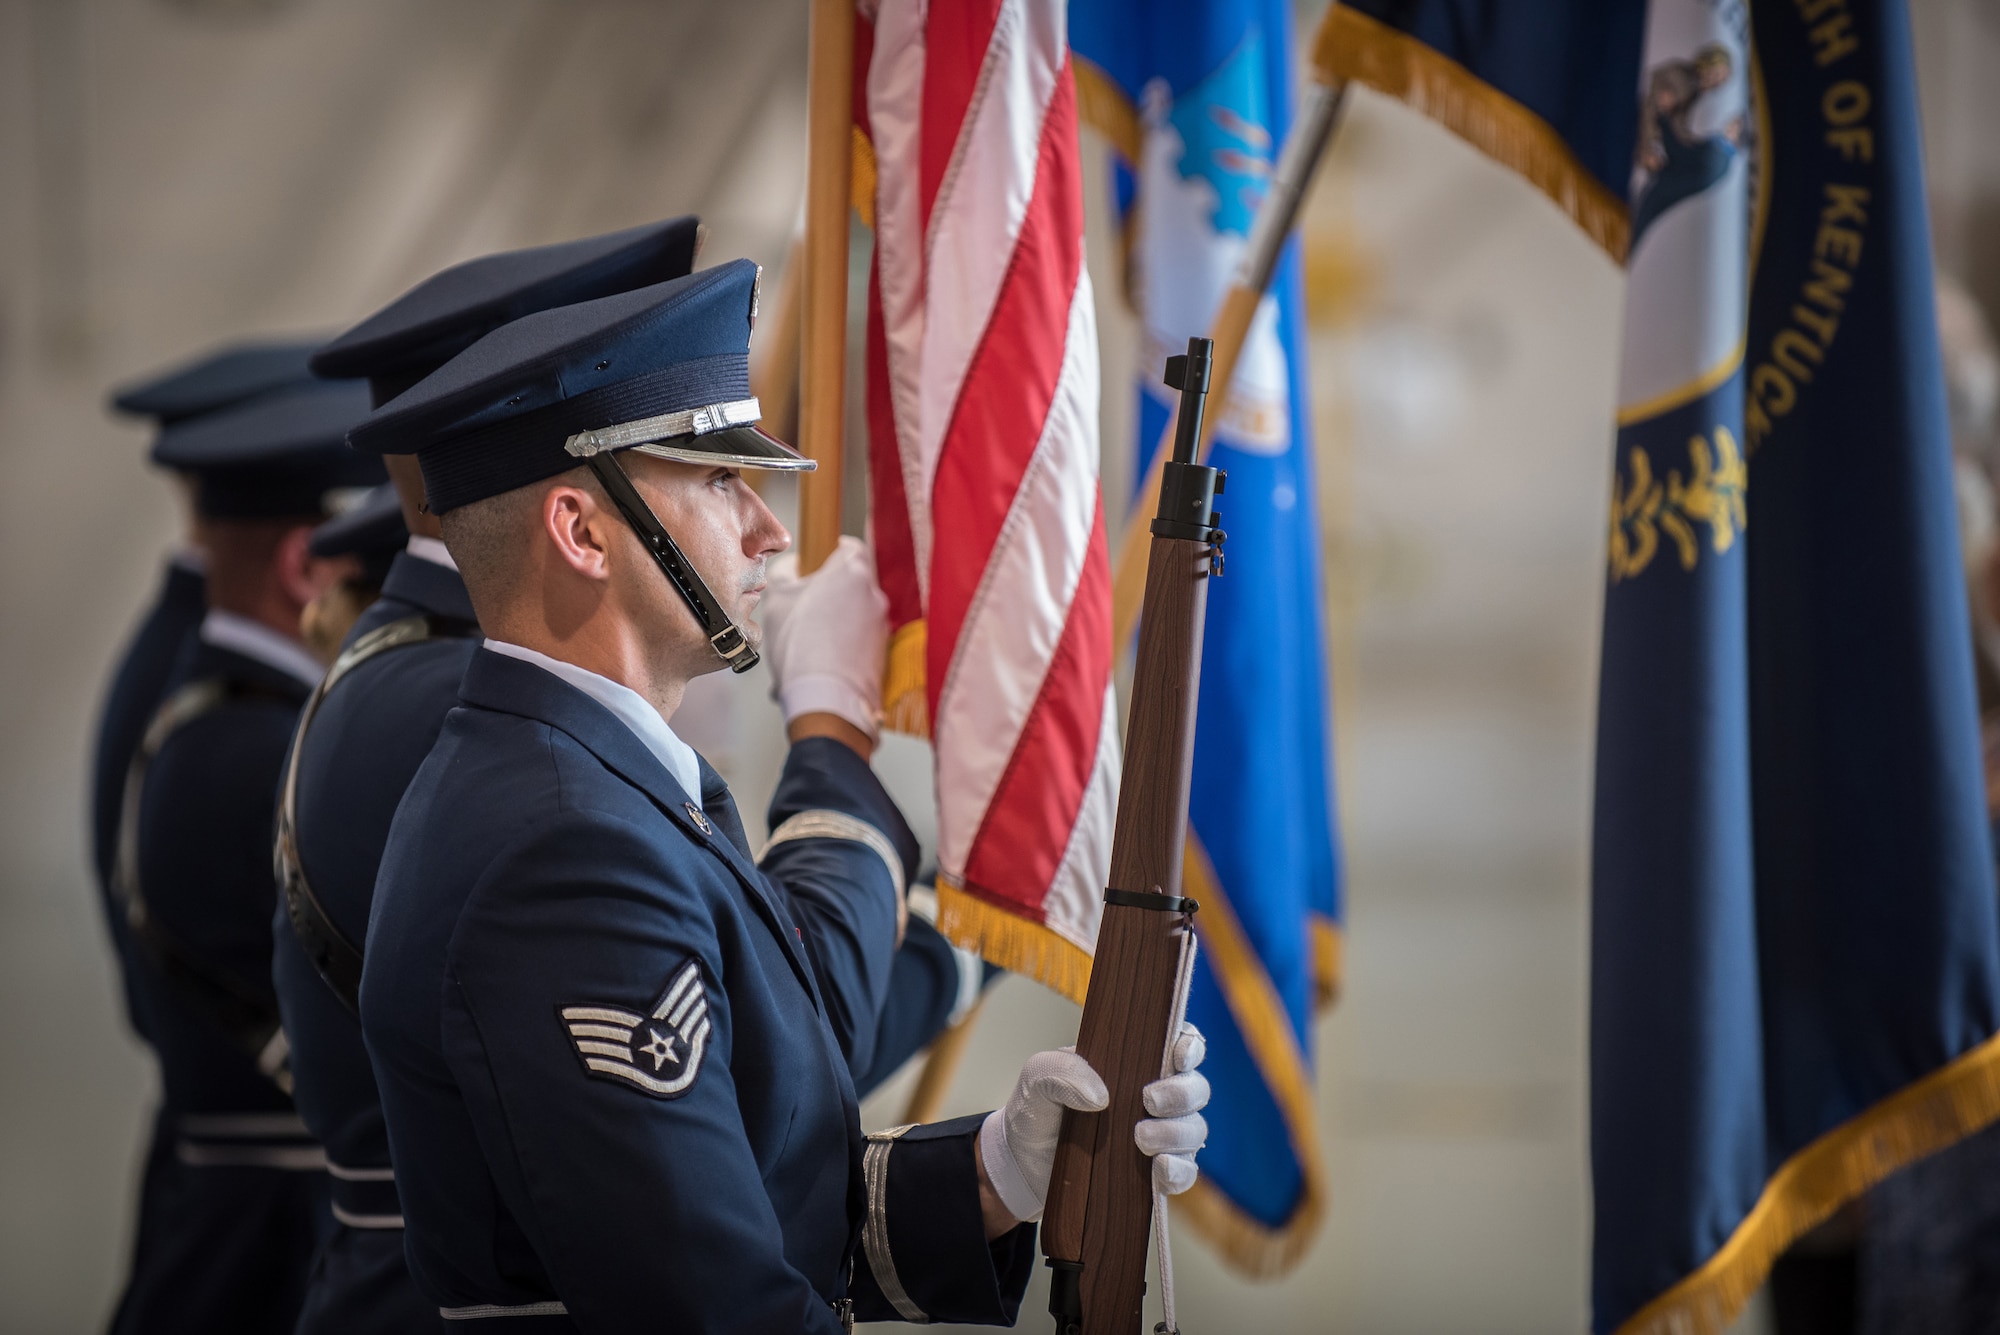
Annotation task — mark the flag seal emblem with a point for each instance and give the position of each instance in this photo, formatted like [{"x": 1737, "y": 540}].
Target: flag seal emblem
[{"x": 660, "y": 1052}]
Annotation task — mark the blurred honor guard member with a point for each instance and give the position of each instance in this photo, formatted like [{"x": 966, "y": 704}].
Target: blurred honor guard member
[
  {"x": 225, "y": 1236},
  {"x": 363, "y": 736},
  {"x": 374, "y": 535},
  {"x": 138, "y": 683},
  {"x": 617, "y": 1091}
]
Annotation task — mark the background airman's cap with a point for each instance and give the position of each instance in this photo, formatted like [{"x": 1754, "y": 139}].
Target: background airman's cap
[
  {"x": 372, "y": 531},
  {"x": 664, "y": 370},
  {"x": 218, "y": 379},
  {"x": 447, "y": 313},
  {"x": 280, "y": 455}
]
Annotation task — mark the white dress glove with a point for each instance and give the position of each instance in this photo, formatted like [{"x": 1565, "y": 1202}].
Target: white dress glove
[
  {"x": 1018, "y": 1143},
  {"x": 826, "y": 635}
]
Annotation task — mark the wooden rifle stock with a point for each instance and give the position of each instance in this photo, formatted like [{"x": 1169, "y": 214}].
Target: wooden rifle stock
[{"x": 1100, "y": 1204}]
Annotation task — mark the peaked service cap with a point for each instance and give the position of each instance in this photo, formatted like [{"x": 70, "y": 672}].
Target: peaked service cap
[
  {"x": 448, "y": 312},
  {"x": 662, "y": 369},
  {"x": 279, "y": 455},
  {"x": 372, "y": 530},
  {"x": 218, "y": 379}
]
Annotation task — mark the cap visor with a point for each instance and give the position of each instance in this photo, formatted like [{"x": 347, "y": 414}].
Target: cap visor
[{"x": 731, "y": 447}]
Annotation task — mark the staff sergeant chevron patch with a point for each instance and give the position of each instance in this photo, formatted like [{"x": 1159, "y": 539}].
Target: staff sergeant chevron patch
[{"x": 660, "y": 1053}]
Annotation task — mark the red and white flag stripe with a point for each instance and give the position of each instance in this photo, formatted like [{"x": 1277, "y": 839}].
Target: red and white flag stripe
[{"x": 983, "y": 383}]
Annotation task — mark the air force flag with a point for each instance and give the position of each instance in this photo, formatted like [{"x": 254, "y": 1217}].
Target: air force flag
[{"x": 1196, "y": 95}]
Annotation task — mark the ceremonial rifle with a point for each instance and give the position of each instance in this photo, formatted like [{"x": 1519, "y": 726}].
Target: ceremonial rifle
[{"x": 1100, "y": 1202}]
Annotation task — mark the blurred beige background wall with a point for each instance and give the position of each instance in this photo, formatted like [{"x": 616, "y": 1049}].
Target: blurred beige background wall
[{"x": 176, "y": 174}]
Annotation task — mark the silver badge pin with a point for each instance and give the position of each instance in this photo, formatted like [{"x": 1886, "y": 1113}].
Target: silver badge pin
[{"x": 700, "y": 821}]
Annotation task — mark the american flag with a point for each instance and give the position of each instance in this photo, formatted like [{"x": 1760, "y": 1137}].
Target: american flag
[{"x": 982, "y": 403}]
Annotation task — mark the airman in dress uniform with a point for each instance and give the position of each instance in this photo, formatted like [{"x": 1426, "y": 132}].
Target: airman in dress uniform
[
  {"x": 212, "y": 382},
  {"x": 361, "y": 742},
  {"x": 229, "y": 1229},
  {"x": 365, "y": 733},
  {"x": 616, "y": 1084}
]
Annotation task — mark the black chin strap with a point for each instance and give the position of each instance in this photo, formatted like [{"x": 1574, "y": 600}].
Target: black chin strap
[{"x": 725, "y": 635}]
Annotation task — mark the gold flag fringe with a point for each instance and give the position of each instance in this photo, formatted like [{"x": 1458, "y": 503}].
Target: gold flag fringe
[
  {"x": 861, "y": 175},
  {"x": 1327, "y": 960},
  {"x": 1103, "y": 106},
  {"x": 1927, "y": 1116},
  {"x": 905, "y": 705},
  {"x": 1353, "y": 46},
  {"x": 1249, "y": 1246},
  {"x": 1012, "y": 942}
]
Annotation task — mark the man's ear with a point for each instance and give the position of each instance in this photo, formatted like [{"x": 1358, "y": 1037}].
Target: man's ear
[
  {"x": 575, "y": 523},
  {"x": 300, "y": 575}
]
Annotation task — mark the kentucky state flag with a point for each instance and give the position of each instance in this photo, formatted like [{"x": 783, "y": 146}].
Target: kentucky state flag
[
  {"x": 1196, "y": 97},
  {"x": 1795, "y": 954}
]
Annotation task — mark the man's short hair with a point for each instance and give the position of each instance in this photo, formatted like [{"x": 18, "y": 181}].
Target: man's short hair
[
  {"x": 490, "y": 538},
  {"x": 489, "y": 541}
]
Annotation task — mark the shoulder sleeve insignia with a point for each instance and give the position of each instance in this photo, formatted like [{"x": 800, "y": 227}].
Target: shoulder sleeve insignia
[{"x": 661, "y": 1052}]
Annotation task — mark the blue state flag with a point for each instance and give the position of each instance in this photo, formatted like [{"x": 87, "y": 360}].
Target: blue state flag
[
  {"x": 1196, "y": 97},
  {"x": 1795, "y": 950}
]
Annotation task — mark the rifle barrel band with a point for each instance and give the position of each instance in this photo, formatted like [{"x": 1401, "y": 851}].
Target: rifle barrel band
[
  {"x": 1174, "y": 528},
  {"x": 1145, "y": 899}
]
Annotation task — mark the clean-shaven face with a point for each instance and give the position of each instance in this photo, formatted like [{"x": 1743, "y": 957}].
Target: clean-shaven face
[{"x": 723, "y": 528}]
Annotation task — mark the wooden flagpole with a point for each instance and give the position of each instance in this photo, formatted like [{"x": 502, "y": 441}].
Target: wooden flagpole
[
  {"x": 941, "y": 1063},
  {"x": 823, "y": 295},
  {"x": 823, "y": 371}
]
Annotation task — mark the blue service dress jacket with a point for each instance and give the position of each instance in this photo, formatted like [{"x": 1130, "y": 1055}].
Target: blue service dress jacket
[
  {"x": 137, "y": 686},
  {"x": 371, "y": 733},
  {"x": 616, "y": 1091},
  {"x": 357, "y": 758},
  {"x": 234, "y": 1188},
  {"x": 924, "y": 983}
]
